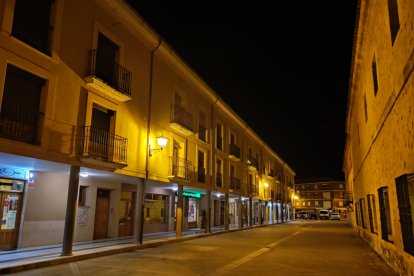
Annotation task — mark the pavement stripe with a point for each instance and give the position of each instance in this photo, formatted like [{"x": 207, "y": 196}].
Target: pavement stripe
[{"x": 229, "y": 267}]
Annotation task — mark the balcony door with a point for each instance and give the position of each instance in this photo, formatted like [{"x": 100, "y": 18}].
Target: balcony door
[
  {"x": 106, "y": 57},
  {"x": 99, "y": 132}
]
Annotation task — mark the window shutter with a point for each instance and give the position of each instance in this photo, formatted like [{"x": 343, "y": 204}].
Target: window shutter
[
  {"x": 371, "y": 219},
  {"x": 404, "y": 207}
]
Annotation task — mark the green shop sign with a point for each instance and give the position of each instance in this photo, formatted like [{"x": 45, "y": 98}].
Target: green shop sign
[{"x": 190, "y": 194}]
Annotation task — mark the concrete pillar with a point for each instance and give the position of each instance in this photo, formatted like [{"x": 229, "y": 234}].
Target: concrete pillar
[
  {"x": 208, "y": 214},
  {"x": 139, "y": 210},
  {"x": 226, "y": 211},
  {"x": 260, "y": 212},
  {"x": 266, "y": 212},
  {"x": 240, "y": 213},
  {"x": 71, "y": 205},
  {"x": 179, "y": 215},
  {"x": 250, "y": 211}
]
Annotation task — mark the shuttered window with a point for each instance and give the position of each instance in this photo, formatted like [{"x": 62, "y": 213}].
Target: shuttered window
[
  {"x": 405, "y": 190},
  {"x": 372, "y": 213}
]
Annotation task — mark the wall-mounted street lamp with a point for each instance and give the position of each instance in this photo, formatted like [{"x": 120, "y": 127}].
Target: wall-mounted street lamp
[{"x": 162, "y": 142}]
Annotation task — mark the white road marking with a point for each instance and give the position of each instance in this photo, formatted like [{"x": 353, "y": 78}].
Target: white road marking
[{"x": 229, "y": 267}]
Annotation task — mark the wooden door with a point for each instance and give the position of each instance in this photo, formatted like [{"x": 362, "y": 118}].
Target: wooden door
[
  {"x": 101, "y": 215},
  {"x": 11, "y": 207},
  {"x": 126, "y": 214}
]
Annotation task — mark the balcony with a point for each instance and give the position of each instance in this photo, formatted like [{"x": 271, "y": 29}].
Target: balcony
[
  {"x": 108, "y": 77},
  {"x": 252, "y": 164},
  {"x": 181, "y": 120},
  {"x": 271, "y": 174},
  {"x": 100, "y": 147},
  {"x": 179, "y": 169},
  {"x": 20, "y": 123},
  {"x": 235, "y": 183},
  {"x": 234, "y": 152}
]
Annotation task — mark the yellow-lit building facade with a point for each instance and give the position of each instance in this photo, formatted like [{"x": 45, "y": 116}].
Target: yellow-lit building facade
[
  {"x": 87, "y": 88},
  {"x": 379, "y": 152}
]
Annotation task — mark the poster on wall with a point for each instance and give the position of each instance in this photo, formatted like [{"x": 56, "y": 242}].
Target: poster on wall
[
  {"x": 82, "y": 215},
  {"x": 192, "y": 209},
  {"x": 8, "y": 220}
]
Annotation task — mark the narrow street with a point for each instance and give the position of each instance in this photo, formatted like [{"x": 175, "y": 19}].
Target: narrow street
[{"x": 297, "y": 248}]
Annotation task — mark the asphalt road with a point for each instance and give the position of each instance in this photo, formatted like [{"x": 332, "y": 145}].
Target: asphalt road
[{"x": 297, "y": 248}]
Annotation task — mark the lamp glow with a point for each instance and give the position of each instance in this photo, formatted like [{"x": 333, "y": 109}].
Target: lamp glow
[{"x": 162, "y": 142}]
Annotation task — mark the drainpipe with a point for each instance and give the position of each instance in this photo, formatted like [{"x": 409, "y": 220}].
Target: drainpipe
[{"x": 142, "y": 193}]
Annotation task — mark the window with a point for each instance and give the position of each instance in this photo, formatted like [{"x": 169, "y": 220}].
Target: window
[
  {"x": 82, "y": 196},
  {"x": 20, "y": 117},
  {"x": 365, "y": 108},
  {"x": 362, "y": 204},
  {"x": 219, "y": 173},
  {"x": 405, "y": 195},
  {"x": 316, "y": 203},
  {"x": 316, "y": 186},
  {"x": 202, "y": 126},
  {"x": 31, "y": 23},
  {"x": 326, "y": 186},
  {"x": 374, "y": 76},
  {"x": 219, "y": 136},
  {"x": 357, "y": 213},
  {"x": 394, "y": 19},
  {"x": 201, "y": 170},
  {"x": 155, "y": 206},
  {"x": 341, "y": 186},
  {"x": 385, "y": 214},
  {"x": 372, "y": 213}
]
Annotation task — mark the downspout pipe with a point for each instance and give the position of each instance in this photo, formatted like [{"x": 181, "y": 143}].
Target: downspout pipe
[{"x": 148, "y": 137}]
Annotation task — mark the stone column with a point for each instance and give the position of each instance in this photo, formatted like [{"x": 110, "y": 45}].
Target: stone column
[
  {"x": 208, "y": 213},
  {"x": 139, "y": 223},
  {"x": 70, "y": 211}
]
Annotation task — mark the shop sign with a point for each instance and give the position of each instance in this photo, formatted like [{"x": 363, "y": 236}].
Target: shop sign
[
  {"x": 15, "y": 173},
  {"x": 190, "y": 194}
]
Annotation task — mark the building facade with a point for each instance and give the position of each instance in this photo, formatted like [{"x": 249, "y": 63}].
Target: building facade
[
  {"x": 106, "y": 133},
  {"x": 315, "y": 194},
  {"x": 378, "y": 157}
]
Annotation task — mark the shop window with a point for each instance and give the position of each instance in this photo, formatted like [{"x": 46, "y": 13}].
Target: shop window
[
  {"x": 155, "y": 206},
  {"x": 405, "y": 196},
  {"x": 385, "y": 214}
]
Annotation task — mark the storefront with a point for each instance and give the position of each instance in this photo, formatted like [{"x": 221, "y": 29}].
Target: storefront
[{"x": 11, "y": 196}]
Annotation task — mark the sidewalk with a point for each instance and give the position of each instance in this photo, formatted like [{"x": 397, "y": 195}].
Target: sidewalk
[{"x": 36, "y": 257}]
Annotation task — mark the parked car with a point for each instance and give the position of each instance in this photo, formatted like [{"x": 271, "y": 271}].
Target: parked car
[
  {"x": 313, "y": 216},
  {"x": 335, "y": 215},
  {"x": 303, "y": 215},
  {"x": 323, "y": 214}
]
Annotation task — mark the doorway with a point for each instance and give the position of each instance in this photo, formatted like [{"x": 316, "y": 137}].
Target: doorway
[
  {"x": 126, "y": 214},
  {"x": 10, "y": 212},
  {"x": 101, "y": 214}
]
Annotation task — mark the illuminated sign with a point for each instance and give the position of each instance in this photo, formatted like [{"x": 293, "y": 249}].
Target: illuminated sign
[{"x": 190, "y": 194}]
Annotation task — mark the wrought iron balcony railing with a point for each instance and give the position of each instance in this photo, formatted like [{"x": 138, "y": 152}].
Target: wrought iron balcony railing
[
  {"x": 235, "y": 183},
  {"x": 180, "y": 167},
  {"x": 109, "y": 72},
  {"x": 103, "y": 145},
  {"x": 20, "y": 123}
]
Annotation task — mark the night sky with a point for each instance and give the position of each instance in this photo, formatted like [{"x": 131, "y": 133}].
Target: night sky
[{"x": 282, "y": 66}]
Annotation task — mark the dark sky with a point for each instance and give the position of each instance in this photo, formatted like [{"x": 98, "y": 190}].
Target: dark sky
[{"x": 282, "y": 66}]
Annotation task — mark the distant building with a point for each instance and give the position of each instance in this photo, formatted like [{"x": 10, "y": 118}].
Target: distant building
[
  {"x": 315, "y": 194},
  {"x": 379, "y": 149}
]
